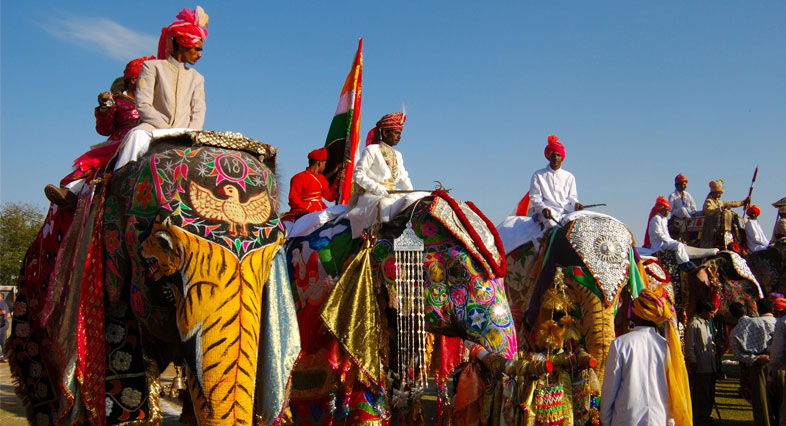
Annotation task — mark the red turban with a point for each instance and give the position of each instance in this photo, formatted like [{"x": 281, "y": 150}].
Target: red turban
[
  {"x": 190, "y": 29},
  {"x": 659, "y": 204},
  {"x": 135, "y": 67},
  {"x": 393, "y": 121},
  {"x": 754, "y": 209},
  {"x": 554, "y": 146},
  {"x": 318, "y": 155},
  {"x": 680, "y": 179}
]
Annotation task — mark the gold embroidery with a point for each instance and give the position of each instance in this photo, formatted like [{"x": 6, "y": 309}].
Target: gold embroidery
[{"x": 389, "y": 154}]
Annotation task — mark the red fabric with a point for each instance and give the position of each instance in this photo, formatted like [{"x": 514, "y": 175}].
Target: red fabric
[
  {"x": 680, "y": 179},
  {"x": 754, "y": 209},
  {"x": 554, "y": 146},
  {"x": 318, "y": 155},
  {"x": 134, "y": 67},
  {"x": 394, "y": 121},
  {"x": 306, "y": 191},
  {"x": 190, "y": 29},
  {"x": 660, "y": 202},
  {"x": 523, "y": 207},
  {"x": 499, "y": 269}
]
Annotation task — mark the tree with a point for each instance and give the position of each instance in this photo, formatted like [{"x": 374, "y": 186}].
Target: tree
[{"x": 19, "y": 225}]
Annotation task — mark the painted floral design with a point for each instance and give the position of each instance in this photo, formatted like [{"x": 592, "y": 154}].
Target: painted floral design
[
  {"x": 130, "y": 397},
  {"x": 121, "y": 361},
  {"x": 115, "y": 333},
  {"x": 20, "y": 308},
  {"x": 35, "y": 370},
  {"x": 23, "y": 329},
  {"x": 32, "y": 349}
]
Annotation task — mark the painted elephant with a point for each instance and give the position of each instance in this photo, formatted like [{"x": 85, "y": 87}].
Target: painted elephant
[
  {"x": 769, "y": 267},
  {"x": 593, "y": 258},
  {"x": 177, "y": 249},
  {"x": 455, "y": 281}
]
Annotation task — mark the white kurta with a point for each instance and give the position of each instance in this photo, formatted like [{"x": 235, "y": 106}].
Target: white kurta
[
  {"x": 375, "y": 178},
  {"x": 661, "y": 240},
  {"x": 555, "y": 190},
  {"x": 635, "y": 390},
  {"x": 755, "y": 236},
  {"x": 682, "y": 205}
]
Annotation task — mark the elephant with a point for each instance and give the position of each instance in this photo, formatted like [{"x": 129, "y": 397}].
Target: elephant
[
  {"x": 580, "y": 270},
  {"x": 462, "y": 293},
  {"x": 769, "y": 266},
  {"x": 172, "y": 272}
]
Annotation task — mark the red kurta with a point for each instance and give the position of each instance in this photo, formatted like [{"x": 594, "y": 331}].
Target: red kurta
[{"x": 306, "y": 191}]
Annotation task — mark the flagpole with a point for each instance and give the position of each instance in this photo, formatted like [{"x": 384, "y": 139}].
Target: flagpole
[{"x": 750, "y": 192}]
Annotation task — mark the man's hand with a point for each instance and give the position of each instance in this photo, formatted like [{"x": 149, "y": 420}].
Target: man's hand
[
  {"x": 579, "y": 206},
  {"x": 382, "y": 192},
  {"x": 105, "y": 100},
  {"x": 762, "y": 359},
  {"x": 547, "y": 214}
]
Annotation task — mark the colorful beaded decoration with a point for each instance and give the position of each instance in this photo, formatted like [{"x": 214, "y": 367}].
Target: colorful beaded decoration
[{"x": 548, "y": 403}]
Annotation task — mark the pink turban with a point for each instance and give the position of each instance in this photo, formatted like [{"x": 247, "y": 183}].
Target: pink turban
[
  {"x": 554, "y": 146},
  {"x": 394, "y": 121},
  {"x": 318, "y": 155},
  {"x": 135, "y": 67},
  {"x": 188, "y": 31}
]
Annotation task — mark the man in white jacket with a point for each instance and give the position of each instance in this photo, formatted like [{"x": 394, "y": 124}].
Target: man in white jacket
[
  {"x": 755, "y": 235},
  {"x": 379, "y": 171}
]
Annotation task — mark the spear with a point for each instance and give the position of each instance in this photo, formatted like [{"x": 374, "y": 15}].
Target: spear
[{"x": 750, "y": 191}]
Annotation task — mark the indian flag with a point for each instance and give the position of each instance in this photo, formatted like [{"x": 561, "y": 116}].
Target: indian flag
[{"x": 344, "y": 134}]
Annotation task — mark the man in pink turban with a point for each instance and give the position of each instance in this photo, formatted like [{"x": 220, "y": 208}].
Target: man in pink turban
[
  {"x": 657, "y": 235},
  {"x": 552, "y": 190},
  {"x": 170, "y": 95}
]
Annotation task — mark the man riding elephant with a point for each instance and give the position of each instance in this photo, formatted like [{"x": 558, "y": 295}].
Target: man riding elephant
[
  {"x": 380, "y": 171},
  {"x": 657, "y": 236},
  {"x": 552, "y": 190},
  {"x": 170, "y": 95}
]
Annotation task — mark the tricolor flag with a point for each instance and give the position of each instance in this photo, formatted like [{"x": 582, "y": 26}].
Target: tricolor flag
[{"x": 344, "y": 134}]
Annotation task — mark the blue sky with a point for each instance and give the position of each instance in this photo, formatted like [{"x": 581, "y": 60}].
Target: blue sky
[{"x": 637, "y": 91}]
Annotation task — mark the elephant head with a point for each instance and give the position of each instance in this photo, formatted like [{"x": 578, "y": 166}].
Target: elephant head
[
  {"x": 464, "y": 296},
  {"x": 593, "y": 257},
  {"x": 198, "y": 234}
]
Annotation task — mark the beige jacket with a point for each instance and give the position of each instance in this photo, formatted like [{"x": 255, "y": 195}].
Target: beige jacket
[
  {"x": 169, "y": 95},
  {"x": 713, "y": 206}
]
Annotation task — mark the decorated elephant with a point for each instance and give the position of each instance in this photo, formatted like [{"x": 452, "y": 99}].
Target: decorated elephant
[
  {"x": 177, "y": 249},
  {"x": 593, "y": 256},
  {"x": 364, "y": 308},
  {"x": 769, "y": 267}
]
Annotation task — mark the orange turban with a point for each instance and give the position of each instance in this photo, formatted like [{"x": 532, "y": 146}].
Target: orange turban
[
  {"x": 190, "y": 29},
  {"x": 135, "y": 67},
  {"x": 680, "y": 179},
  {"x": 754, "y": 209},
  {"x": 394, "y": 121},
  {"x": 554, "y": 146},
  {"x": 318, "y": 155}
]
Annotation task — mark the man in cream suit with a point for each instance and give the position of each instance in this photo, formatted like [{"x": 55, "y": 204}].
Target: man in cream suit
[{"x": 170, "y": 95}]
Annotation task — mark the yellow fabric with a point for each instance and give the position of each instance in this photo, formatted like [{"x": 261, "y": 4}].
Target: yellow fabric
[
  {"x": 351, "y": 314},
  {"x": 652, "y": 307}
]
